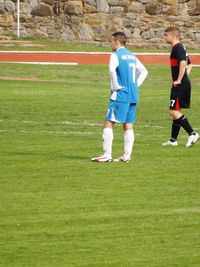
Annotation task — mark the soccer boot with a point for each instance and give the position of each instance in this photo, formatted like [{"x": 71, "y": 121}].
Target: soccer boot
[
  {"x": 196, "y": 138},
  {"x": 102, "y": 158},
  {"x": 192, "y": 139},
  {"x": 122, "y": 159},
  {"x": 170, "y": 143}
]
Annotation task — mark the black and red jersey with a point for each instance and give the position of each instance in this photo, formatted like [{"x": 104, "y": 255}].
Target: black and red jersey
[{"x": 178, "y": 54}]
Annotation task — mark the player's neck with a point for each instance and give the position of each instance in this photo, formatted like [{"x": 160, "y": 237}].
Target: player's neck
[
  {"x": 119, "y": 47},
  {"x": 175, "y": 42}
]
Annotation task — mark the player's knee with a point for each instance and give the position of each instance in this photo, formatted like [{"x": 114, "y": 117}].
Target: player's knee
[
  {"x": 108, "y": 124},
  {"x": 175, "y": 113},
  {"x": 128, "y": 126}
]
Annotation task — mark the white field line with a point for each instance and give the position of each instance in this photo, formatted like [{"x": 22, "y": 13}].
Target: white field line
[
  {"x": 56, "y": 52},
  {"x": 53, "y": 63},
  {"x": 55, "y": 132},
  {"x": 79, "y": 133},
  {"x": 42, "y": 63},
  {"x": 58, "y": 132},
  {"x": 84, "y": 123},
  {"x": 88, "y": 53},
  {"x": 74, "y": 52}
]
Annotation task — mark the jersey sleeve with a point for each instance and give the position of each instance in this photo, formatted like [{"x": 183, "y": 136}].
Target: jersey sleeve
[
  {"x": 141, "y": 72},
  {"x": 181, "y": 53},
  {"x": 114, "y": 63}
]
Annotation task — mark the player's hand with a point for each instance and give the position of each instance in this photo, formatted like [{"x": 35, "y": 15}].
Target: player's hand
[
  {"x": 175, "y": 83},
  {"x": 119, "y": 88}
]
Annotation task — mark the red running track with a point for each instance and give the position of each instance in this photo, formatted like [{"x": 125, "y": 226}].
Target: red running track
[{"x": 83, "y": 57}]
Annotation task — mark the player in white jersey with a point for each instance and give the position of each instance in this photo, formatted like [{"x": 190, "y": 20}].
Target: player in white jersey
[{"x": 127, "y": 73}]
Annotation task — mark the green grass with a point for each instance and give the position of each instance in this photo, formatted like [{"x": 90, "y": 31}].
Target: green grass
[
  {"x": 52, "y": 45},
  {"x": 59, "y": 209},
  {"x": 36, "y": 44}
]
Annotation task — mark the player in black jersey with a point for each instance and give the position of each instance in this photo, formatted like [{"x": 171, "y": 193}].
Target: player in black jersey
[{"x": 181, "y": 89}]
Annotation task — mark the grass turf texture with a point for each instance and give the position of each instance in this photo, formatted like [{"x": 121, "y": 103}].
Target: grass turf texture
[
  {"x": 35, "y": 44},
  {"x": 58, "y": 208}
]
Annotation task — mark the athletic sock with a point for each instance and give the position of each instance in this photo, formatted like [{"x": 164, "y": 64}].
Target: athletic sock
[
  {"x": 107, "y": 141},
  {"x": 128, "y": 142},
  {"x": 175, "y": 131},
  {"x": 183, "y": 122}
]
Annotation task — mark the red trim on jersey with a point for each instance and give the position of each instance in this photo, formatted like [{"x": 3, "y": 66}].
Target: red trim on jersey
[
  {"x": 174, "y": 62},
  {"x": 177, "y": 104}
]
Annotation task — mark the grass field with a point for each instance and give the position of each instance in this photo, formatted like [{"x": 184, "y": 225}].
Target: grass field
[
  {"x": 59, "y": 209},
  {"x": 35, "y": 44}
]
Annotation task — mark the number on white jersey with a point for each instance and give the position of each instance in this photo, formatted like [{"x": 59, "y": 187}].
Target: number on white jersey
[{"x": 132, "y": 65}]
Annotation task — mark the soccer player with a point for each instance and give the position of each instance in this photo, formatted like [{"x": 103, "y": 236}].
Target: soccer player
[
  {"x": 181, "y": 89},
  {"x": 127, "y": 73}
]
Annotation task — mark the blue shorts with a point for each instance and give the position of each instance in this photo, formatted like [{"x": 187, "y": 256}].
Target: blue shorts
[{"x": 121, "y": 112}]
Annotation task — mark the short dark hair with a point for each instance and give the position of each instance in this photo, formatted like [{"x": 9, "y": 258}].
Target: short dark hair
[
  {"x": 174, "y": 30},
  {"x": 120, "y": 36}
]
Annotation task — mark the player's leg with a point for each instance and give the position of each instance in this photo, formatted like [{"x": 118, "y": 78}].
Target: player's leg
[
  {"x": 129, "y": 139},
  {"x": 108, "y": 138},
  {"x": 128, "y": 134},
  {"x": 182, "y": 121},
  {"x": 179, "y": 120},
  {"x": 180, "y": 99},
  {"x": 107, "y": 135},
  {"x": 175, "y": 128},
  {"x": 175, "y": 113}
]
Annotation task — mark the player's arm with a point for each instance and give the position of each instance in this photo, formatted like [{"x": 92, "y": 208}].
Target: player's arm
[
  {"x": 141, "y": 72},
  {"x": 182, "y": 67},
  {"x": 189, "y": 66},
  {"x": 182, "y": 58},
  {"x": 114, "y": 63}
]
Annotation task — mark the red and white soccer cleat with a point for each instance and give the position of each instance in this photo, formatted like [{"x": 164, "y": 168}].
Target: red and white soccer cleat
[
  {"x": 102, "y": 158},
  {"x": 122, "y": 159}
]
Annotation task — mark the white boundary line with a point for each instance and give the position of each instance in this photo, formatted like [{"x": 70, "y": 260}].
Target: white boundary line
[
  {"x": 52, "y": 63},
  {"x": 93, "y": 53},
  {"x": 42, "y": 63},
  {"x": 50, "y": 132},
  {"x": 55, "y": 52},
  {"x": 74, "y": 52},
  {"x": 85, "y": 134},
  {"x": 84, "y": 123}
]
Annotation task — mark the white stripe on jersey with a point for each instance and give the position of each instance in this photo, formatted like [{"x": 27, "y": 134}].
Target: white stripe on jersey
[{"x": 114, "y": 95}]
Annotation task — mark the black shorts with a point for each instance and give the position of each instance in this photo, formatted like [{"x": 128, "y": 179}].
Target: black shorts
[{"x": 180, "y": 96}]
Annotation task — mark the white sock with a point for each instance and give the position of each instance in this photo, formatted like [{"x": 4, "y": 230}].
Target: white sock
[
  {"x": 128, "y": 143},
  {"x": 107, "y": 141}
]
